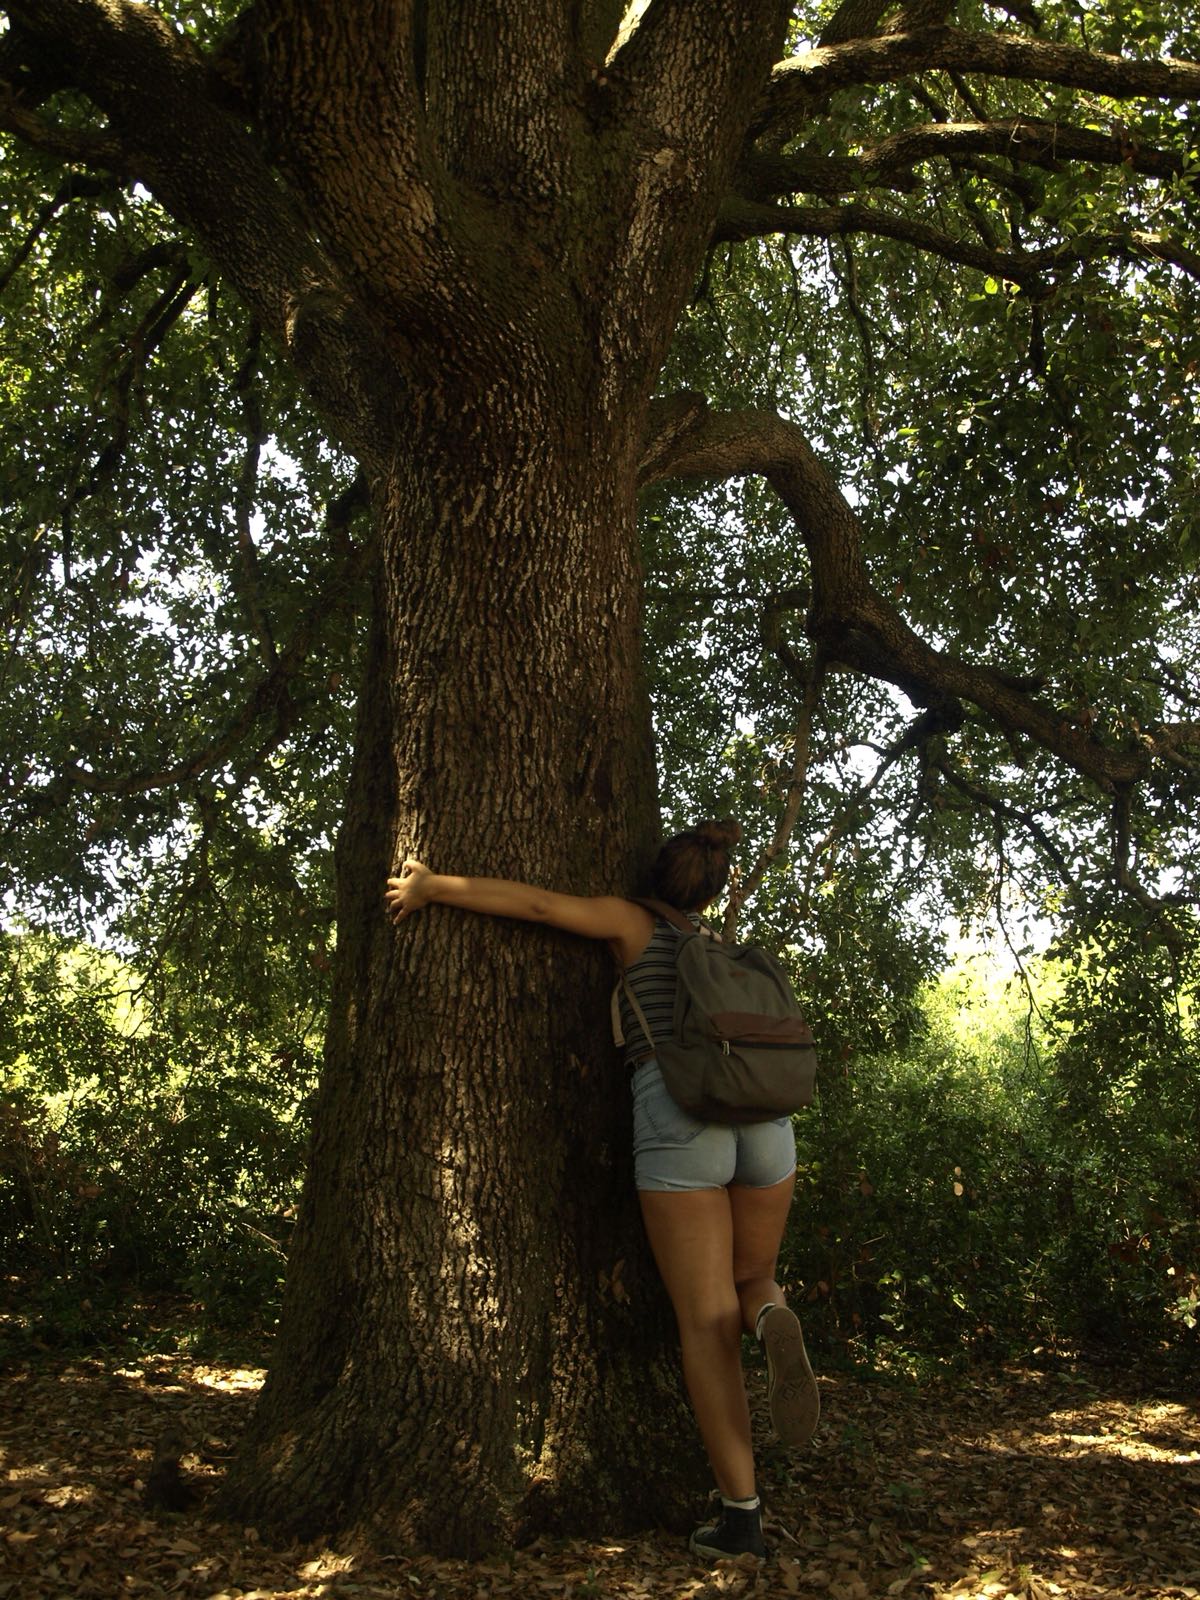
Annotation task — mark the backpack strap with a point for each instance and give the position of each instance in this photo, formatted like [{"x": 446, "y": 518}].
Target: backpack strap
[
  {"x": 677, "y": 918},
  {"x": 639, "y": 1014}
]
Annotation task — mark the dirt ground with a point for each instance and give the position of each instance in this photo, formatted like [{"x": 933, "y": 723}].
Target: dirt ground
[{"x": 1078, "y": 1481}]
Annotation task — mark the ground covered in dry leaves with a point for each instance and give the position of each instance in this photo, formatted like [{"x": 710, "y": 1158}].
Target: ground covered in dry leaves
[{"x": 1076, "y": 1481}]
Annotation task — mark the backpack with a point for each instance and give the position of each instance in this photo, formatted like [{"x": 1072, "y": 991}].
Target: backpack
[{"x": 740, "y": 1049}]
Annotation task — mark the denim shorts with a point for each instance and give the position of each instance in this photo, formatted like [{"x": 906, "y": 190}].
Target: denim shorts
[{"x": 672, "y": 1150}]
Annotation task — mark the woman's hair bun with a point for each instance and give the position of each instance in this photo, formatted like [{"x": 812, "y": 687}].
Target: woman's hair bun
[
  {"x": 719, "y": 835},
  {"x": 692, "y": 868}
]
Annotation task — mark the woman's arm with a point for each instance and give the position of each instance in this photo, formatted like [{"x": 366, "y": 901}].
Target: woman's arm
[{"x": 622, "y": 924}]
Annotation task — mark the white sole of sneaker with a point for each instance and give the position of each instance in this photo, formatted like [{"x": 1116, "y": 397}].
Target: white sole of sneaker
[{"x": 792, "y": 1393}]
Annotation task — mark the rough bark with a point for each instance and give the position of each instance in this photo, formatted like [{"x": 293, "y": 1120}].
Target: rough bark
[
  {"x": 804, "y": 80},
  {"x": 472, "y": 1347}
]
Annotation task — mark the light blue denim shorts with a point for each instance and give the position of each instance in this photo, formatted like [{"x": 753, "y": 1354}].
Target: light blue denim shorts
[{"x": 672, "y": 1150}]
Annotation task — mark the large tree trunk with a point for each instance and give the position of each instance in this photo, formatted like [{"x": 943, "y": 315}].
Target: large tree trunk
[{"x": 472, "y": 1347}]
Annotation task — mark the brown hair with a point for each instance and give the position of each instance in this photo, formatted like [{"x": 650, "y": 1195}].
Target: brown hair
[{"x": 692, "y": 868}]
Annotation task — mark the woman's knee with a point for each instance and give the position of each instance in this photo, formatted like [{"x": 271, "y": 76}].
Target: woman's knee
[
  {"x": 718, "y": 1320},
  {"x": 751, "y": 1272}
]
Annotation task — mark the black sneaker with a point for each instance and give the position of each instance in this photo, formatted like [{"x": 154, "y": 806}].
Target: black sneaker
[
  {"x": 736, "y": 1532},
  {"x": 792, "y": 1392}
]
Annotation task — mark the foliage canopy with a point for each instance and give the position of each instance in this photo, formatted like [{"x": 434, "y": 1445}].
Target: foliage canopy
[
  {"x": 974, "y": 292},
  {"x": 972, "y": 287}
]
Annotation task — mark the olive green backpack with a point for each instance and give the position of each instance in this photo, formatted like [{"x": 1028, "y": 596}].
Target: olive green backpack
[{"x": 740, "y": 1049}]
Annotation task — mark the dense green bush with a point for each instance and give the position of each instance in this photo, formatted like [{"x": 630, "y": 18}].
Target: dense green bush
[
  {"x": 1016, "y": 1176},
  {"x": 154, "y": 1141},
  {"x": 1008, "y": 1175}
]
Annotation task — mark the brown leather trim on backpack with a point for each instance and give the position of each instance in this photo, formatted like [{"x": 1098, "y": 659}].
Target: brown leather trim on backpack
[{"x": 752, "y": 1028}]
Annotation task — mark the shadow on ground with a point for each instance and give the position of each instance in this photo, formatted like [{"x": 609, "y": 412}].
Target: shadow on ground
[{"x": 1080, "y": 1483}]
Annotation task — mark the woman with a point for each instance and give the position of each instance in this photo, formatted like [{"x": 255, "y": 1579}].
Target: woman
[{"x": 714, "y": 1198}]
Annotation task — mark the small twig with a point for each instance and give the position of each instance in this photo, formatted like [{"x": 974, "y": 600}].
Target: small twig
[
  {"x": 76, "y": 187},
  {"x": 1122, "y": 871},
  {"x": 250, "y": 589},
  {"x": 870, "y": 372},
  {"x": 1002, "y": 808},
  {"x": 795, "y": 795},
  {"x": 270, "y": 695}
]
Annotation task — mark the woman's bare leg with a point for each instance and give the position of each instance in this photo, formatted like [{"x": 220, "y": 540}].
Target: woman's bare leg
[
  {"x": 692, "y": 1237},
  {"x": 758, "y": 1217}
]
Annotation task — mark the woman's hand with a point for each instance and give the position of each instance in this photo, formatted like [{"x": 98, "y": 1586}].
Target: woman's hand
[{"x": 410, "y": 891}]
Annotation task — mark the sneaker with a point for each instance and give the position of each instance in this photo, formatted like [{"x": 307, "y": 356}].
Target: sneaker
[
  {"x": 736, "y": 1532},
  {"x": 792, "y": 1392}
]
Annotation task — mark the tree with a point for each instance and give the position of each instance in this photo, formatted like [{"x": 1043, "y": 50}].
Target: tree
[{"x": 447, "y": 252}]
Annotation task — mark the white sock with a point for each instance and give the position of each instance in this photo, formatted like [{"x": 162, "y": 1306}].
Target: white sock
[
  {"x": 741, "y": 1505},
  {"x": 758, "y": 1321}
]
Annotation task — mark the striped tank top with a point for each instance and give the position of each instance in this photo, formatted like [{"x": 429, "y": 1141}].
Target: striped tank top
[{"x": 652, "y": 979}]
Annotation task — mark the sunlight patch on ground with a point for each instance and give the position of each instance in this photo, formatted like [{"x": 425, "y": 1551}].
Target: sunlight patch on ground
[
  {"x": 228, "y": 1378},
  {"x": 1069, "y": 1485}
]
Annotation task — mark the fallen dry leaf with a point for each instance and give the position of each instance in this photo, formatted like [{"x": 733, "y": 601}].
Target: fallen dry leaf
[{"x": 1012, "y": 1482}]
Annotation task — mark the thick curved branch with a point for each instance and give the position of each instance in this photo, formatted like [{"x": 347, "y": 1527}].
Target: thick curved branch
[
  {"x": 1031, "y": 139},
  {"x": 798, "y": 82},
  {"x": 852, "y": 621},
  {"x": 751, "y": 220},
  {"x": 765, "y": 177},
  {"x": 78, "y": 146}
]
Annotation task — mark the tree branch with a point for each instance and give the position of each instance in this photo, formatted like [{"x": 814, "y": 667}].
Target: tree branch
[
  {"x": 163, "y": 105},
  {"x": 1002, "y": 808},
  {"x": 270, "y": 697},
  {"x": 1031, "y": 269},
  {"x": 854, "y": 19},
  {"x": 797, "y": 83},
  {"x": 76, "y": 187},
  {"x": 80, "y": 146},
  {"x": 749, "y": 220},
  {"x": 784, "y": 828},
  {"x": 764, "y": 177},
  {"x": 915, "y": 737},
  {"x": 518, "y": 143},
  {"x": 1122, "y": 816},
  {"x": 1034, "y": 140},
  {"x": 852, "y": 621},
  {"x": 250, "y": 585},
  {"x": 679, "y": 92},
  {"x": 297, "y": 57},
  {"x": 166, "y": 310}
]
